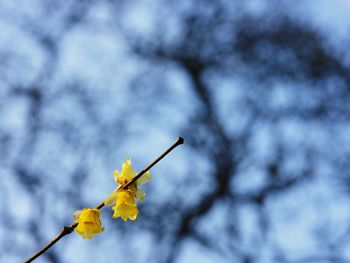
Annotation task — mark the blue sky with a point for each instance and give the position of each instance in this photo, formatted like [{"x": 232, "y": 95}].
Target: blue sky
[{"x": 109, "y": 71}]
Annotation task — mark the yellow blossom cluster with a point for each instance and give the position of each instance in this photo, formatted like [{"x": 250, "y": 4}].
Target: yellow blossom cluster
[{"x": 123, "y": 201}]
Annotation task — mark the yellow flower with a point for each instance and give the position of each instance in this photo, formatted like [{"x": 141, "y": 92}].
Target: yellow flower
[
  {"x": 125, "y": 206},
  {"x": 89, "y": 223},
  {"x": 125, "y": 200}
]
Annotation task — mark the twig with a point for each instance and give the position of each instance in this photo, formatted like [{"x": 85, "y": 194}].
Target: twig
[{"x": 69, "y": 229}]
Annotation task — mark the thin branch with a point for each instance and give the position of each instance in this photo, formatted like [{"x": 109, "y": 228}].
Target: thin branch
[
  {"x": 69, "y": 229},
  {"x": 65, "y": 231}
]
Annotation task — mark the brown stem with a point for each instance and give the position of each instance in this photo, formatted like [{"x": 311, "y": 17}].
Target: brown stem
[
  {"x": 69, "y": 229},
  {"x": 65, "y": 231},
  {"x": 178, "y": 142}
]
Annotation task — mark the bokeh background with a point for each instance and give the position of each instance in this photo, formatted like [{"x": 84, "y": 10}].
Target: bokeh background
[{"x": 259, "y": 89}]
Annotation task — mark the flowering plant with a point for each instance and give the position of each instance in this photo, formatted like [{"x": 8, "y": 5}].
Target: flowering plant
[
  {"x": 125, "y": 200},
  {"x": 87, "y": 221}
]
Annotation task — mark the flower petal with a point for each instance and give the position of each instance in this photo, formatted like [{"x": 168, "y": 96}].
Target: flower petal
[
  {"x": 112, "y": 198},
  {"x": 76, "y": 215},
  {"x": 128, "y": 172},
  {"x": 116, "y": 176},
  {"x": 145, "y": 178},
  {"x": 140, "y": 194}
]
